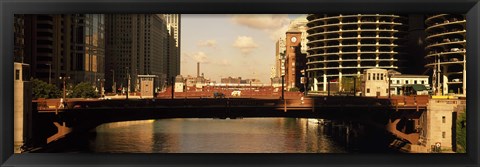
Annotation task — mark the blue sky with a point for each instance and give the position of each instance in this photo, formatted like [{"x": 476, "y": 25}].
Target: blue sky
[{"x": 231, "y": 45}]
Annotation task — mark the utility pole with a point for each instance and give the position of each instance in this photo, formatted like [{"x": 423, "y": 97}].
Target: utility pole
[
  {"x": 64, "y": 87},
  {"x": 114, "y": 85},
  {"x": 389, "y": 82},
  {"x": 128, "y": 80},
  {"x": 173, "y": 87},
  {"x": 355, "y": 86},
  {"x": 328, "y": 87},
  {"x": 283, "y": 87},
  {"x": 49, "y": 73}
]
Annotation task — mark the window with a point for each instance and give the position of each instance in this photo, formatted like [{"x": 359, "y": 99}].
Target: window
[
  {"x": 17, "y": 74},
  {"x": 398, "y": 81},
  {"x": 381, "y": 76},
  {"x": 443, "y": 135},
  {"x": 368, "y": 90},
  {"x": 386, "y": 91},
  {"x": 423, "y": 82},
  {"x": 415, "y": 82},
  {"x": 406, "y": 81},
  {"x": 443, "y": 119}
]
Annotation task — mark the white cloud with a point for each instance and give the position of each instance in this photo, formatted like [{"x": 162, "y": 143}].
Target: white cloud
[
  {"x": 245, "y": 44},
  {"x": 274, "y": 25},
  {"x": 262, "y": 21},
  {"x": 198, "y": 57},
  {"x": 207, "y": 43}
]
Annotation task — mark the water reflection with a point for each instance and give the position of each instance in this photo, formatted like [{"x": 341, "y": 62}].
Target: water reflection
[{"x": 252, "y": 135}]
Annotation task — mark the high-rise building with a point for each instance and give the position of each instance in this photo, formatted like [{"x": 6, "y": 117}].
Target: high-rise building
[
  {"x": 345, "y": 45},
  {"x": 286, "y": 51},
  {"x": 173, "y": 68},
  {"x": 279, "y": 55},
  {"x": 137, "y": 44},
  {"x": 300, "y": 24},
  {"x": 174, "y": 20},
  {"x": 64, "y": 45},
  {"x": 295, "y": 60},
  {"x": 446, "y": 54},
  {"x": 19, "y": 38},
  {"x": 174, "y": 26}
]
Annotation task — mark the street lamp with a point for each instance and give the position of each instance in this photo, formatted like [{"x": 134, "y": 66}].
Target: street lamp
[
  {"x": 283, "y": 77},
  {"x": 101, "y": 87},
  {"x": 114, "y": 85},
  {"x": 64, "y": 86},
  {"x": 49, "y": 73},
  {"x": 389, "y": 82},
  {"x": 128, "y": 80}
]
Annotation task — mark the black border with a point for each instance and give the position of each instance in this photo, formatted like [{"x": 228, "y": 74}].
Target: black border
[{"x": 10, "y": 7}]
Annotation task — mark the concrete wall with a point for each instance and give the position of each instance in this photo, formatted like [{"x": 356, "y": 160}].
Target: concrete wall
[
  {"x": 147, "y": 87},
  {"x": 179, "y": 87},
  {"x": 375, "y": 82},
  {"x": 18, "y": 108},
  {"x": 22, "y": 105},
  {"x": 439, "y": 122}
]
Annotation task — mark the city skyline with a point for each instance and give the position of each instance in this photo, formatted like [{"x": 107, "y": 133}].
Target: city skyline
[{"x": 232, "y": 45}]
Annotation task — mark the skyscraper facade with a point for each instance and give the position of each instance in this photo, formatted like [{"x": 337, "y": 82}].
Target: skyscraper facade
[
  {"x": 64, "y": 45},
  {"x": 279, "y": 55},
  {"x": 295, "y": 59},
  {"x": 137, "y": 44},
  {"x": 173, "y": 22}
]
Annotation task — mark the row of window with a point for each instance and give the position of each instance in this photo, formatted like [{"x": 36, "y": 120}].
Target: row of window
[
  {"x": 376, "y": 76},
  {"x": 398, "y": 81}
]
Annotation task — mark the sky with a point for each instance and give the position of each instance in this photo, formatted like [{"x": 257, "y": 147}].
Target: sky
[{"x": 231, "y": 45}]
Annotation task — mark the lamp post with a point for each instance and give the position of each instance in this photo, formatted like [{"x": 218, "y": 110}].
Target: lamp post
[
  {"x": 128, "y": 80},
  {"x": 354, "y": 86},
  {"x": 101, "y": 87},
  {"x": 114, "y": 85},
  {"x": 64, "y": 87},
  {"x": 283, "y": 77},
  {"x": 389, "y": 82},
  {"x": 304, "y": 81},
  {"x": 49, "y": 73}
]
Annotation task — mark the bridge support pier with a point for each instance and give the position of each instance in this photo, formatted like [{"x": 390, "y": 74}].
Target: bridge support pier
[{"x": 62, "y": 130}]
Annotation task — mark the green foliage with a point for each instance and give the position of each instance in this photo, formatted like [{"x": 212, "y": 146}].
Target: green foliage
[
  {"x": 83, "y": 90},
  {"x": 348, "y": 84},
  {"x": 294, "y": 89},
  {"x": 462, "y": 133},
  {"x": 42, "y": 89}
]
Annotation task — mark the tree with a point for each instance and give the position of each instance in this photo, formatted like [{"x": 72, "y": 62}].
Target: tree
[
  {"x": 41, "y": 89},
  {"x": 83, "y": 90},
  {"x": 294, "y": 89},
  {"x": 348, "y": 84},
  {"x": 462, "y": 133}
]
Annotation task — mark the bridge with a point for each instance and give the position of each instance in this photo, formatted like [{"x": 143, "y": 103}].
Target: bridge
[{"x": 53, "y": 123}]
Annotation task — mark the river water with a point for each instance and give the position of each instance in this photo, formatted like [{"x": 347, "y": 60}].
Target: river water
[{"x": 248, "y": 135}]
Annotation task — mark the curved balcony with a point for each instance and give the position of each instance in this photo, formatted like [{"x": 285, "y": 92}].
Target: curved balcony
[
  {"x": 446, "y": 43},
  {"x": 351, "y": 38},
  {"x": 350, "y": 16},
  {"x": 442, "y": 25},
  {"x": 439, "y": 35},
  {"x": 445, "y": 53},
  {"x": 444, "y": 63}
]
